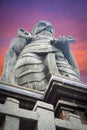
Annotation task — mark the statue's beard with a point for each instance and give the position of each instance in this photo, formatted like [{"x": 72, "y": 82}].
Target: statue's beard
[{"x": 46, "y": 33}]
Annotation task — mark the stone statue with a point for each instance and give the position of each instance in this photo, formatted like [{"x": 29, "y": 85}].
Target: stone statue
[{"x": 33, "y": 58}]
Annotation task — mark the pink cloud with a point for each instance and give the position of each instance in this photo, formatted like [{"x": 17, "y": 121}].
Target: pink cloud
[{"x": 81, "y": 58}]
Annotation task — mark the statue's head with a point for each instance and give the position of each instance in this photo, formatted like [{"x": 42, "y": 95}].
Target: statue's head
[{"x": 43, "y": 26}]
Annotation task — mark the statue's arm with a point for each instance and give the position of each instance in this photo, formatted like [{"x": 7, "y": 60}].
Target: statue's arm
[
  {"x": 15, "y": 48},
  {"x": 70, "y": 57},
  {"x": 63, "y": 43},
  {"x": 17, "y": 44}
]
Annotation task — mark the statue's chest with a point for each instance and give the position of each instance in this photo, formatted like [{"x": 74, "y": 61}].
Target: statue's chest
[{"x": 40, "y": 46}]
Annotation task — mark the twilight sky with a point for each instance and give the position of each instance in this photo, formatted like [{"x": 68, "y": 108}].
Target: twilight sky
[{"x": 69, "y": 17}]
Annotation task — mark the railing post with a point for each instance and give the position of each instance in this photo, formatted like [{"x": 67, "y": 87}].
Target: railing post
[
  {"x": 10, "y": 122},
  {"x": 75, "y": 122},
  {"x": 45, "y": 116}
]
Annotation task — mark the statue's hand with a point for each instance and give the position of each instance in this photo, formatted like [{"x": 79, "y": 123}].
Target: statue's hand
[
  {"x": 25, "y": 34},
  {"x": 63, "y": 42},
  {"x": 70, "y": 39},
  {"x": 65, "y": 39}
]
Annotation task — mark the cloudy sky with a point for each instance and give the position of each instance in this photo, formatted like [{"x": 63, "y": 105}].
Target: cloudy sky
[{"x": 69, "y": 17}]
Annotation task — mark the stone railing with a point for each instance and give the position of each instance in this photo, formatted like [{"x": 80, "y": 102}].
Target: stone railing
[
  {"x": 40, "y": 118},
  {"x": 62, "y": 107}
]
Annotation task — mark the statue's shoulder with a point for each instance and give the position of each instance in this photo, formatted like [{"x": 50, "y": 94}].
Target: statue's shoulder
[{"x": 20, "y": 41}]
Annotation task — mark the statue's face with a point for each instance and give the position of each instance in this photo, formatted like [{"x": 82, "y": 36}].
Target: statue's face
[{"x": 43, "y": 26}]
